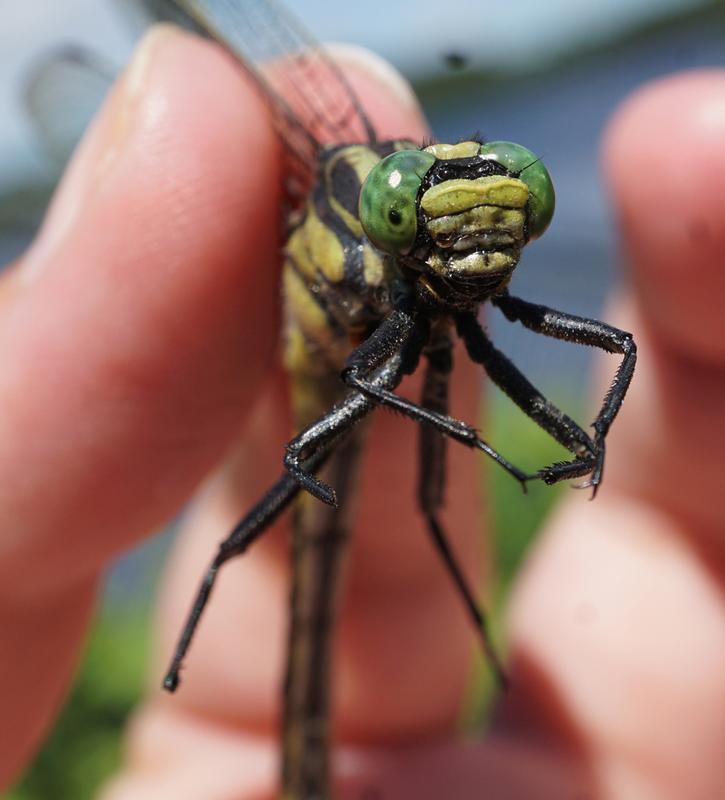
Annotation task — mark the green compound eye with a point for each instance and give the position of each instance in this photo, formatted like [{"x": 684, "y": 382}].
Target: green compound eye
[
  {"x": 387, "y": 207},
  {"x": 527, "y": 167}
]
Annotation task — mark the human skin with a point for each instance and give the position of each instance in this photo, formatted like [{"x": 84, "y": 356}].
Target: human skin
[{"x": 137, "y": 341}]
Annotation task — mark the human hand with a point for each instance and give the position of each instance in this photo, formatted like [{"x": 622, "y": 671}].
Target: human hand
[{"x": 125, "y": 339}]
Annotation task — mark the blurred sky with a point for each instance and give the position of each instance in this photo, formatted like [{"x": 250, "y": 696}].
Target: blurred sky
[{"x": 413, "y": 34}]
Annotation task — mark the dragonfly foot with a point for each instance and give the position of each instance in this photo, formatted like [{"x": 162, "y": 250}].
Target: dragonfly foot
[
  {"x": 171, "y": 681},
  {"x": 319, "y": 490}
]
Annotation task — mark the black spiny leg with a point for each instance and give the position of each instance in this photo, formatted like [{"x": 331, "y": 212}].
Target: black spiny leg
[
  {"x": 431, "y": 487},
  {"x": 391, "y": 351},
  {"x": 588, "y": 451},
  {"x": 254, "y": 524},
  {"x": 319, "y": 439},
  {"x": 571, "y": 328},
  {"x": 402, "y": 337},
  {"x": 357, "y": 376},
  {"x": 526, "y": 396}
]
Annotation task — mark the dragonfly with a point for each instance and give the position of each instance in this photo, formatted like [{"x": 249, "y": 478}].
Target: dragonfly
[{"x": 391, "y": 248}]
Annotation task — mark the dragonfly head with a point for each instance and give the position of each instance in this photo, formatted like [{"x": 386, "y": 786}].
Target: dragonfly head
[{"x": 458, "y": 214}]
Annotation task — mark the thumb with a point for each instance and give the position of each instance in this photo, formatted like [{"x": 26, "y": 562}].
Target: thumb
[{"x": 125, "y": 342}]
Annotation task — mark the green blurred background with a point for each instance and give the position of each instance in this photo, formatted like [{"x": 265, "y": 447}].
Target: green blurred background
[{"x": 547, "y": 75}]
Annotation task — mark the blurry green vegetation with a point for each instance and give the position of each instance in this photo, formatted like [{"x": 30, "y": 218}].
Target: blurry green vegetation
[
  {"x": 85, "y": 746},
  {"x": 516, "y": 517}
]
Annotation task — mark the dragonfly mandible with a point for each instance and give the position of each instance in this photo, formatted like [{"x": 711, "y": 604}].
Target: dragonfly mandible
[{"x": 391, "y": 249}]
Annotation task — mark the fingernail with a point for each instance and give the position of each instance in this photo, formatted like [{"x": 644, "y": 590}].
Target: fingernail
[
  {"x": 99, "y": 152},
  {"x": 378, "y": 68}
]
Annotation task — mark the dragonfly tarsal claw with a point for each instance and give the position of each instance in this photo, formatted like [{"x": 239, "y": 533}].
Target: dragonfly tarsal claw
[
  {"x": 317, "y": 488},
  {"x": 171, "y": 681},
  {"x": 324, "y": 493},
  {"x": 593, "y": 484},
  {"x": 590, "y": 484},
  {"x": 314, "y": 486},
  {"x": 596, "y": 467},
  {"x": 598, "y": 470},
  {"x": 513, "y": 470},
  {"x": 547, "y": 476}
]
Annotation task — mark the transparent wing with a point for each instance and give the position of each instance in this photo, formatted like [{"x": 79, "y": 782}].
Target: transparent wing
[
  {"x": 62, "y": 92},
  {"x": 311, "y": 100}
]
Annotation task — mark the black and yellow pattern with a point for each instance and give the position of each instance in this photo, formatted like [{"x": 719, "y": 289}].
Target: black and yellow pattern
[
  {"x": 449, "y": 223},
  {"x": 335, "y": 283}
]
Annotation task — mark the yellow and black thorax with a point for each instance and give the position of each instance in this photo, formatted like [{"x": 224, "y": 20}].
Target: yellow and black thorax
[{"x": 336, "y": 283}]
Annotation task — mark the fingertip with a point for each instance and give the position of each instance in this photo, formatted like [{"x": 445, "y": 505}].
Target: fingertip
[
  {"x": 385, "y": 94},
  {"x": 178, "y": 173},
  {"x": 665, "y": 163},
  {"x": 148, "y": 314}
]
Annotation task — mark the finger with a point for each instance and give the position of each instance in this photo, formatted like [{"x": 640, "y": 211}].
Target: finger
[
  {"x": 620, "y": 665},
  {"x": 142, "y": 252},
  {"x": 670, "y": 208},
  {"x": 673, "y": 220},
  {"x": 132, "y": 341},
  {"x": 180, "y": 758}
]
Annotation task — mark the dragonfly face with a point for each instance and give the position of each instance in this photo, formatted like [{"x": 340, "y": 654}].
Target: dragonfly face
[{"x": 459, "y": 215}]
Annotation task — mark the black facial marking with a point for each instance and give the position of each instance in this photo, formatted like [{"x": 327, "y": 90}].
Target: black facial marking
[
  {"x": 345, "y": 185},
  {"x": 468, "y": 168}
]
